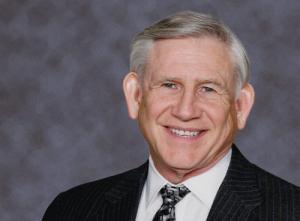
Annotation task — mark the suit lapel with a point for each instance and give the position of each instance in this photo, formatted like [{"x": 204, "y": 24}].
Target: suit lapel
[
  {"x": 123, "y": 198},
  {"x": 239, "y": 194}
]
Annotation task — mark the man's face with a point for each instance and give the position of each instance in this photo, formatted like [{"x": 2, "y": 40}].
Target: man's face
[{"x": 186, "y": 108}]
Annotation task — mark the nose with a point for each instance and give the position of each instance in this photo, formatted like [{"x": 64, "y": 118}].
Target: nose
[{"x": 186, "y": 107}]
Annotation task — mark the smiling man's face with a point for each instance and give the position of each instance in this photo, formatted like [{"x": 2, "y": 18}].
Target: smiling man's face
[{"x": 185, "y": 105}]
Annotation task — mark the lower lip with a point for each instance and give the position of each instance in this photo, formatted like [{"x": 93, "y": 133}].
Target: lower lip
[{"x": 186, "y": 138}]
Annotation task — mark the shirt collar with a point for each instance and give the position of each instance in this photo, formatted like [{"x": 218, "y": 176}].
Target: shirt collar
[
  {"x": 204, "y": 186},
  {"x": 155, "y": 181}
]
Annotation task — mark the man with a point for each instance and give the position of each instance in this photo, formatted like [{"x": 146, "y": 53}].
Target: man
[{"x": 188, "y": 89}]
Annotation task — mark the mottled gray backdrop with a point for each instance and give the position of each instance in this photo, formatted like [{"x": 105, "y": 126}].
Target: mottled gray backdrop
[{"x": 63, "y": 119}]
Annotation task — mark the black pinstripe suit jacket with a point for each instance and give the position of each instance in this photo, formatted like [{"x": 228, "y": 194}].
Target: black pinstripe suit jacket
[{"x": 247, "y": 193}]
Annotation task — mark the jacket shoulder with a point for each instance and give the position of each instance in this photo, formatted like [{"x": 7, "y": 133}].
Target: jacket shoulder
[
  {"x": 279, "y": 196},
  {"x": 103, "y": 185},
  {"x": 256, "y": 192},
  {"x": 79, "y": 200},
  {"x": 267, "y": 180},
  {"x": 264, "y": 179}
]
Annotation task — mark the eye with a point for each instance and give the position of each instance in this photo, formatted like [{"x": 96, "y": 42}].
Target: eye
[
  {"x": 169, "y": 85},
  {"x": 207, "y": 89}
]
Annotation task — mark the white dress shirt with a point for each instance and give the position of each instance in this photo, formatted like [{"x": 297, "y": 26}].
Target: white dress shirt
[{"x": 194, "y": 206}]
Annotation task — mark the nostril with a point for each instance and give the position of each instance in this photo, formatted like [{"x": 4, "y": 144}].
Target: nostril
[{"x": 185, "y": 113}]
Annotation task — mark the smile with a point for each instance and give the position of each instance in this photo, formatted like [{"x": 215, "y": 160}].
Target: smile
[{"x": 184, "y": 133}]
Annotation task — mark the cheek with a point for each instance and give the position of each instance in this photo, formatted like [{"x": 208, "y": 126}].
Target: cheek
[
  {"x": 230, "y": 122},
  {"x": 220, "y": 114},
  {"x": 150, "y": 111},
  {"x": 155, "y": 106}
]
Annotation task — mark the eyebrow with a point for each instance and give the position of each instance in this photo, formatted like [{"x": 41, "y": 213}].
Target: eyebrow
[
  {"x": 198, "y": 81},
  {"x": 210, "y": 81}
]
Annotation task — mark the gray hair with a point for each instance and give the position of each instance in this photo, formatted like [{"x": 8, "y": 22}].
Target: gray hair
[{"x": 189, "y": 24}]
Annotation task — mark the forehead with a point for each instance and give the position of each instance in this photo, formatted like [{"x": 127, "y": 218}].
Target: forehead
[{"x": 204, "y": 57}]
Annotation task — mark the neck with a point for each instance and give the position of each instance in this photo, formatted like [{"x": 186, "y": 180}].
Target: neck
[{"x": 178, "y": 175}]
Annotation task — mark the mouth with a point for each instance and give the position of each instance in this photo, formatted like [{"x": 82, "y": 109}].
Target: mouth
[{"x": 186, "y": 133}]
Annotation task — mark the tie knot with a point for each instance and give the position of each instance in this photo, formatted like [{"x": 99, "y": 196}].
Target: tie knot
[{"x": 173, "y": 194}]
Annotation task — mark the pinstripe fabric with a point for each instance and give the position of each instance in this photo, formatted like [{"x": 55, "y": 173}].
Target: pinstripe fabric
[
  {"x": 247, "y": 193},
  {"x": 111, "y": 199},
  {"x": 250, "y": 193}
]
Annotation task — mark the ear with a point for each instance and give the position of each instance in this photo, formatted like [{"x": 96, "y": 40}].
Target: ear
[
  {"x": 133, "y": 93},
  {"x": 244, "y": 105}
]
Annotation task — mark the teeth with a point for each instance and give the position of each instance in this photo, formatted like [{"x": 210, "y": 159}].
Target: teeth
[{"x": 184, "y": 133}]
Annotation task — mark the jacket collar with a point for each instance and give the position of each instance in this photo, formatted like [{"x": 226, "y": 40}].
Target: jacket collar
[
  {"x": 125, "y": 194},
  {"x": 239, "y": 193}
]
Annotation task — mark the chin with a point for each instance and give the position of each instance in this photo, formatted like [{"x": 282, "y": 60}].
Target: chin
[{"x": 184, "y": 164}]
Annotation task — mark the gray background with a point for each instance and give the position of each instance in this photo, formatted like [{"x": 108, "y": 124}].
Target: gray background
[{"x": 63, "y": 119}]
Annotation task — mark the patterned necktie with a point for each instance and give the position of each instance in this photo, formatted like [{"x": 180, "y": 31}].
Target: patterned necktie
[{"x": 171, "y": 195}]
